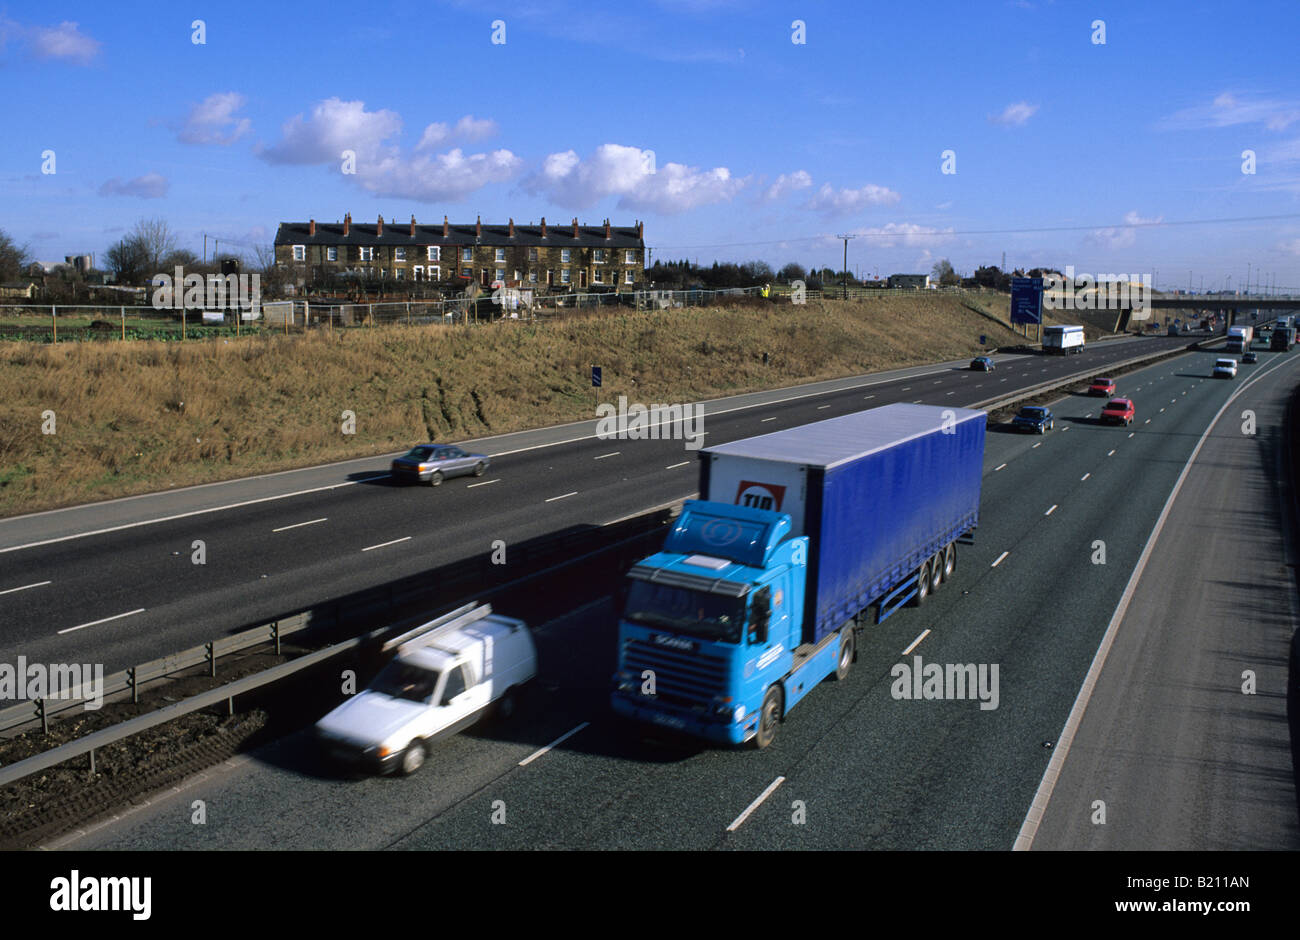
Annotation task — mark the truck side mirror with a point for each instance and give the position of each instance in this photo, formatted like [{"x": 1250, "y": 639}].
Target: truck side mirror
[{"x": 760, "y": 614}]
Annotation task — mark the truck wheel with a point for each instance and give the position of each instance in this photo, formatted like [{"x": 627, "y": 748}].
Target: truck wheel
[
  {"x": 412, "y": 758},
  {"x": 922, "y": 585},
  {"x": 436, "y": 478},
  {"x": 936, "y": 571},
  {"x": 848, "y": 644},
  {"x": 768, "y": 717},
  {"x": 949, "y": 561}
]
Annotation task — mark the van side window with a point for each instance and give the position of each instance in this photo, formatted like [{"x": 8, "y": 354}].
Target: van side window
[{"x": 455, "y": 684}]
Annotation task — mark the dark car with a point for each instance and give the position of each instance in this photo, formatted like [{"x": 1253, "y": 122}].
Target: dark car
[
  {"x": 1033, "y": 418},
  {"x": 1249, "y": 358},
  {"x": 432, "y": 463},
  {"x": 982, "y": 364}
]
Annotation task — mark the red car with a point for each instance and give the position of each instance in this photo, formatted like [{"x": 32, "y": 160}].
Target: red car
[
  {"x": 1102, "y": 387},
  {"x": 1119, "y": 410}
]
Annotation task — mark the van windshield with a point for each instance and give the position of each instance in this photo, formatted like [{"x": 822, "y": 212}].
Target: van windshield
[
  {"x": 402, "y": 680},
  {"x": 695, "y": 613}
]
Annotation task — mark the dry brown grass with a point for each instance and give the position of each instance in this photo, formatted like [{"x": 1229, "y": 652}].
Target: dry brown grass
[{"x": 137, "y": 416}]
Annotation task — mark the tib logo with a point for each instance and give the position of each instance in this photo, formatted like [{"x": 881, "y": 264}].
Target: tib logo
[{"x": 760, "y": 495}]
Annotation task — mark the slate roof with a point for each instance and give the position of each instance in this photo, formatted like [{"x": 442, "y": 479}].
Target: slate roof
[{"x": 496, "y": 236}]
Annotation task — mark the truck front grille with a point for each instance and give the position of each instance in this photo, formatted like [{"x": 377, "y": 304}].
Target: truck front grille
[{"x": 681, "y": 678}]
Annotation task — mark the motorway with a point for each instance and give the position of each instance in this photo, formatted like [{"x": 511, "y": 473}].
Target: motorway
[
  {"x": 115, "y": 582},
  {"x": 1075, "y": 553}
]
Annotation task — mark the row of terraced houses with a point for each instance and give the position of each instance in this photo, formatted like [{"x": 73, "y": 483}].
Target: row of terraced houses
[{"x": 540, "y": 257}]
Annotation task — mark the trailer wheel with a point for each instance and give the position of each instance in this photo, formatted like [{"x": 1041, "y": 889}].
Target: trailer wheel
[
  {"x": 848, "y": 645},
  {"x": 769, "y": 717},
  {"x": 936, "y": 571},
  {"x": 949, "y": 561},
  {"x": 922, "y": 585}
]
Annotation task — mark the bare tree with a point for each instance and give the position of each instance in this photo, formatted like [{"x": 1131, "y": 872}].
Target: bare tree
[
  {"x": 13, "y": 257},
  {"x": 944, "y": 274},
  {"x": 128, "y": 261},
  {"x": 156, "y": 239}
]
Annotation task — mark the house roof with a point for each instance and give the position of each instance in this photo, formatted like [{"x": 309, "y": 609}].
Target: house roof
[{"x": 399, "y": 233}]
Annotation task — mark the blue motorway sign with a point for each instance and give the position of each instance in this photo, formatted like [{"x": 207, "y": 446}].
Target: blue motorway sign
[
  {"x": 1026, "y": 300},
  {"x": 595, "y": 376}
]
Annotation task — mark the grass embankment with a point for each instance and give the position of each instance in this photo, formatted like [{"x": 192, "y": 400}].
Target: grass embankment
[{"x": 140, "y": 416}]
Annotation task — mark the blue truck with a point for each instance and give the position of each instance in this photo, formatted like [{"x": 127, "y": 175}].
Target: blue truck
[{"x": 801, "y": 538}]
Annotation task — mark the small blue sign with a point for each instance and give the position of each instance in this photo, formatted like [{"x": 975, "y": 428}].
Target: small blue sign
[
  {"x": 984, "y": 340},
  {"x": 595, "y": 376},
  {"x": 1027, "y": 300}
]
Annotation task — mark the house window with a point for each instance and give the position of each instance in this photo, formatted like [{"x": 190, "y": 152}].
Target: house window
[
  {"x": 399, "y": 254},
  {"x": 417, "y": 273},
  {"x": 564, "y": 275},
  {"x": 434, "y": 252},
  {"x": 629, "y": 256},
  {"x": 435, "y": 272},
  {"x": 299, "y": 252},
  {"x": 500, "y": 275},
  {"x": 517, "y": 277},
  {"x": 596, "y": 277},
  {"x": 565, "y": 255},
  {"x": 466, "y": 272},
  {"x": 367, "y": 254},
  {"x": 599, "y": 256},
  {"x": 532, "y": 254},
  {"x": 399, "y": 273},
  {"x": 331, "y": 254},
  {"x": 627, "y": 277},
  {"x": 501, "y": 255},
  {"x": 467, "y": 254},
  {"x": 532, "y": 277}
]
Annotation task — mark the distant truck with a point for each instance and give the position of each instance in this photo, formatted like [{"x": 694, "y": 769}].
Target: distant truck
[
  {"x": 1063, "y": 340},
  {"x": 1239, "y": 338},
  {"x": 446, "y": 675},
  {"x": 1283, "y": 339},
  {"x": 802, "y": 537}
]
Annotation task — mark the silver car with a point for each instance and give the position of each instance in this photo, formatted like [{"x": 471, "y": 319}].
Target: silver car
[{"x": 432, "y": 463}]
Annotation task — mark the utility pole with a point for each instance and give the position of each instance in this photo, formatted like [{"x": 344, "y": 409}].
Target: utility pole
[{"x": 845, "y": 278}]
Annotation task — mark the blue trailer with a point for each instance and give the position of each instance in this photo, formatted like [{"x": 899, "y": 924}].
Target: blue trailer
[{"x": 801, "y": 538}]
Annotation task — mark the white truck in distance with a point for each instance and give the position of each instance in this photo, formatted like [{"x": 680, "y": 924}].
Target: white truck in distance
[
  {"x": 1239, "y": 338},
  {"x": 1063, "y": 340},
  {"x": 444, "y": 677}
]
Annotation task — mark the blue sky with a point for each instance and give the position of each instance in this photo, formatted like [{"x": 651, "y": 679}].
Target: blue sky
[{"x": 700, "y": 117}]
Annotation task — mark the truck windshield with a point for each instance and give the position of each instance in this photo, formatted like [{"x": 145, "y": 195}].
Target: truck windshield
[
  {"x": 402, "y": 680},
  {"x": 682, "y": 610}
]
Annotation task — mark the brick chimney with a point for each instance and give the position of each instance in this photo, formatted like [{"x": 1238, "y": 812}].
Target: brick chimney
[
  {"x": 640, "y": 230},
  {"x": 379, "y": 227},
  {"x": 347, "y": 223},
  {"x": 478, "y": 226},
  {"x": 446, "y": 227},
  {"x": 607, "y": 228},
  {"x": 512, "y": 228},
  {"x": 412, "y": 225},
  {"x": 543, "y": 226},
  {"x": 575, "y": 227},
  {"x": 311, "y": 227}
]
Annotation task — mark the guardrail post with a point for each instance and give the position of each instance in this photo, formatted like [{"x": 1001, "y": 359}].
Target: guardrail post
[
  {"x": 230, "y": 706},
  {"x": 92, "y": 762},
  {"x": 211, "y": 649},
  {"x": 122, "y": 312},
  {"x": 40, "y": 710},
  {"x": 54, "y": 322},
  {"x": 275, "y": 635},
  {"x": 135, "y": 686}
]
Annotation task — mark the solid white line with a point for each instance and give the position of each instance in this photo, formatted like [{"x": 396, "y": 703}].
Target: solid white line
[
  {"x": 996, "y": 469},
  {"x": 484, "y": 483},
  {"x": 684, "y": 463},
  {"x": 1050, "y": 511},
  {"x": 603, "y": 456},
  {"x": 565, "y": 496},
  {"x": 138, "y": 610},
  {"x": 999, "y": 559},
  {"x": 773, "y": 419},
  {"x": 740, "y": 820},
  {"x": 1038, "y": 807},
  {"x": 286, "y": 528},
  {"x": 1084, "y": 477},
  {"x": 560, "y": 740},
  {"x": 382, "y": 544},
  {"x": 25, "y": 587},
  {"x": 915, "y": 643}
]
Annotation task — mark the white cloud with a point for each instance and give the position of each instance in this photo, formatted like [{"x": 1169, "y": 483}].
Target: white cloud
[
  {"x": 468, "y": 128},
  {"x": 1291, "y": 247},
  {"x": 65, "y": 41},
  {"x": 334, "y": 126},
  {"x": 843, "y": 201},
  {"x": 213, "y": 121},
  {"x": 631, "y": 174},
  {"x": 1228, "y": 110},
  {"x": 149, "y": 186},
  {"x": 438, "y": 177},
  {"x": 1121, "y": 236},
  {"x": 787, "y": 183},
  {"x": 907, "y": 234},
  {"x": 1014, "y": 115}
]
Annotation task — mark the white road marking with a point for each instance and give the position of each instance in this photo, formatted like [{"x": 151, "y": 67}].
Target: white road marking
[
  {"x": 565, "y": 496},
  {"x": 1050, "y": 511},
  {"x": 684, "y": 463},
  {"x": 773, "y": 419},
  {"x": 25, "y": 587},
  {"x": 1147, "y": 421},
  {"x": 915, "y": 643},
  {"x": 1111, "y": 454},
  {"x": 822, "y": 407},
  {"x": 1084, "y": 477},
  {"x": 1039, "y": 444},
  {"x": 1000, "y": 559},
  {"x": 383, "y": 544},
  {"x": 740, "y": 820},
  {"x": 996, "y": 469},
  {"x": 865, "y": 397},
  {"x": 951, "y": 393},
  {"x": 296, "y": 525},
  {"x": 484, "y": 483},
  {"x": 1131, "y": 433},
  {"x": 611, "y": 454},
  {"x": 907, "y": 388},
  {"x": 138, "y": 610},
  {"x": 558, "y": 741}
]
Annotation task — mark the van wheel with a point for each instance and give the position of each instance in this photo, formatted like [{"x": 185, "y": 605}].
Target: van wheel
[
  {"x": 436, "y": 478},
  {"x": 949, "y": 561},
  {"x": 412, "y": 758},
  {"x": 769, "y": 717},
  {"x": 848, "y": 644},
  {"x": 922, "y": 585},
  {"x": 506, "y": 705},
  {"x": 936, "y": 571}
]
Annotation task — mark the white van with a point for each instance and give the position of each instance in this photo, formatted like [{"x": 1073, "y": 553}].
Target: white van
[{"x": 444, "y": 677}]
